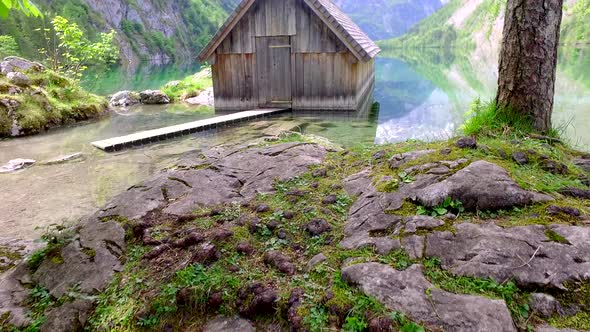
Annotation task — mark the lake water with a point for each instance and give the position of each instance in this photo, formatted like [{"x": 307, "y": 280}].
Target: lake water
[{"x": 425, "y": 96}]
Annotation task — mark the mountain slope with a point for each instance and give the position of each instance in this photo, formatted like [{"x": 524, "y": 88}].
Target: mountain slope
[
  {"x": 153, "y": 30},
  {"x": 382, "y": 19},
  {"x": 478, "y": 23}
]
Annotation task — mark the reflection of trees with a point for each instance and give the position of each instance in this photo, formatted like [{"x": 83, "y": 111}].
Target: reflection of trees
[{"x": 399, "y": 88}]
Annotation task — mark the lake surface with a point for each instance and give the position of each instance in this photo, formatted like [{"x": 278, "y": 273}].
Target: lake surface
[{"x": 424, "y": 96}]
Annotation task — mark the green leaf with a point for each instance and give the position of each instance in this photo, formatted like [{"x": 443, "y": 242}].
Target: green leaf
[
  {"x": 441, "y": 211},
  {"x": 4, "y": 9}
]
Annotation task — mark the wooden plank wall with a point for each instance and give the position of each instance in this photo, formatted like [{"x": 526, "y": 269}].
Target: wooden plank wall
[{"x": 323, "y": 75}]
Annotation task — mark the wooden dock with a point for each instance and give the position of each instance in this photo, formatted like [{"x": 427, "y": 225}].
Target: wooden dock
[{"x": 155, "y": 135}]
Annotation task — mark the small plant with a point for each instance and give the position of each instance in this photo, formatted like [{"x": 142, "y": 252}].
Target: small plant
[
  {"x": 317, "y": 319},
  {"x": 355, "y": 324},
  {"x": 448, "y": 206},
  {"x": 405, "y": 324}
]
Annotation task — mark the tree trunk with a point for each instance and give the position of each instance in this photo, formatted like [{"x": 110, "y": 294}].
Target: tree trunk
[{"x": 528, "y": 59}]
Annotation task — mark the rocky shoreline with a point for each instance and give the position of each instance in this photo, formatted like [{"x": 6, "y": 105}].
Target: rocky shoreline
[{"x": 296, "y": 235}]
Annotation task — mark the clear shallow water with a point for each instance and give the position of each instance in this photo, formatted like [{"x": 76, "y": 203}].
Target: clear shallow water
[{"x": 423, "y": 97}]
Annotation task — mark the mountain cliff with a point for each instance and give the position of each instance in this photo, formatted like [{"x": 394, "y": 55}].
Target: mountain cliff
[{"x": 157, "y": 31}]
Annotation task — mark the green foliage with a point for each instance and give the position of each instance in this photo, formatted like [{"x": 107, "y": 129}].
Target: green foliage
[
  {"x": 8, "y": 46},
  {"x": 405, "y": 324},
  {"x": 24, "y": 6},
  {"x": 74, "y": 52},
  {"x": 448, "y": 206},
  {"x": 190, "y": 86},
  {"x": 488, "y": 119}
]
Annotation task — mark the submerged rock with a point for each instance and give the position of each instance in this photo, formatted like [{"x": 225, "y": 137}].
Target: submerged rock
[
  {"x": 124, "y": 99},
  {"x": 17, "y": 164},
  {"x": 410, "y": 293},
  {"x": 63, "y": 159},
  {"x": 532, "y": 256},
  {"x": 150, "y": 97},
  {"x": 480, "y": 186}
]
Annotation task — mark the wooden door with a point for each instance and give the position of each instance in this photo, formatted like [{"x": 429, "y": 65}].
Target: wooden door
[{"x": 273, "y": 67}]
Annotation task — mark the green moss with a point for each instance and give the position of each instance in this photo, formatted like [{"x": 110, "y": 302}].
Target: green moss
[
  {"x": 190, "y": 86},
  {"x": 555, "y": 237},
  {"x": 89, "y": 252},
  {"x": 580, "y": 321}
]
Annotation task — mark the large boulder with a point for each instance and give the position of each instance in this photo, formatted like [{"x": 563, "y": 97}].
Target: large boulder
[
  {"x": 18, "y": 79},
  {"x": 410, "y": 293},
  {"x": 124, "y": 99},
  {"x": 205, "y": 98},
  {"x": 153, "y": 97},
  {"x": 221, "y": 176},
  {"x": 480, "y": 186},
  {"x": 14, "y": 63},
  {"x": 534, "y": 256}
]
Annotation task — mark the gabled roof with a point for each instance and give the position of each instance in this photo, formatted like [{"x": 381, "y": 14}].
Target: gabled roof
[{"x": 343, "y": 27}]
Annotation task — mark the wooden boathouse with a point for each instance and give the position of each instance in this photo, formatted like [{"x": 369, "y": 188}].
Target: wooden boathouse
[{"x": 298, "y": 54}]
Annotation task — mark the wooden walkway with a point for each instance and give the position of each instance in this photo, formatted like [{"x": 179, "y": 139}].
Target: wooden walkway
[{"x": 155, "y": 135}]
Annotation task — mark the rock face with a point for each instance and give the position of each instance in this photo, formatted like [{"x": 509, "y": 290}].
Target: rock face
[
  {"x": 525, "y": 254},
  {"x": 224, "y": 324},
  {"x": 18, "y": 78},
  {"x": 124, "y": 99},
  {"x": 232, "y": 175},
  {"x": 480, "y": 186},
  {"x": 16, "y": 164},
  {"x": 13, "y": 293},
  {"x": 153, "y": 97},
  {"x": 409, "y": 292},
  {"x": 88, "y": 262}
]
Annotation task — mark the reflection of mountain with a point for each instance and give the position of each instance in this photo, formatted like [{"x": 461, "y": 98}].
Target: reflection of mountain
[
  {"x": 412, "y": 106},
  {"x": 461, "y": 79},
  {"x": 382, "y": 19}
]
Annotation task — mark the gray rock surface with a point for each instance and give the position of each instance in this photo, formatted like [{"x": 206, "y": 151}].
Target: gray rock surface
[
  {"x": 89, "y": 261},
  {"x": 153, "y": 97},
  {"x": 410, "y": 293},
  {"x": 232, "y": 324},
  {"x": 480, "y": 186},
  {"x": 315, "y": 261},
  {"x": 400, "y": 159},
  {"x": 70, "y": 317},
  {"x": 14, "y": 63},
  {"x": 416, "y": 223},
  {"x": 218, "y": 177},
  {"x": 124, "y": 99},
  {"x": 524, "y": 253},
  {"x": 414, "y": 246},
  {"x": 18, "y": 78},
  {"x": 13, "y": 293},
  {"x": 16, "y": 165},
  {"x": 583, "y": 163},
  {"x": 543, "y": 304},
  {"x": 205, "y": 98}
]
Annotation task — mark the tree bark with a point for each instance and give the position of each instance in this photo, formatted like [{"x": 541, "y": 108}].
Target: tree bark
[{"x": 528, "y": 59}]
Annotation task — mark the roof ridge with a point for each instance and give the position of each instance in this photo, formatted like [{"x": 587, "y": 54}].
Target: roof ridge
[{"x": 359, "y": 43}]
